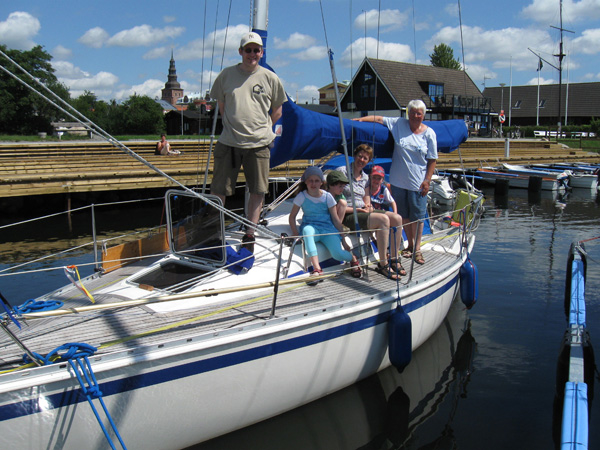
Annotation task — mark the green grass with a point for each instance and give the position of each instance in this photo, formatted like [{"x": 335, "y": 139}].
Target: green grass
[{"x": 590, "y": 145}]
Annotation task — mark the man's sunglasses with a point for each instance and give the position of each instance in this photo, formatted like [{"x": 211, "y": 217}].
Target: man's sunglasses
[{"x": 250, "y": 50}]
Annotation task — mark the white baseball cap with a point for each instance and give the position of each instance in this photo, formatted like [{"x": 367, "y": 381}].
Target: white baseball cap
[{"x": 251, "y": 38}]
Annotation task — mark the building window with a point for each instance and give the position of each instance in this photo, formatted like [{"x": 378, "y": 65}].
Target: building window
[
  {"x": 364, "y": 91},
  {"x": 517, "y": 105},
  {"x": 372, "y": 90},
  {"x": 542, "y": 103},
  {"x": 436, "y": 90}
]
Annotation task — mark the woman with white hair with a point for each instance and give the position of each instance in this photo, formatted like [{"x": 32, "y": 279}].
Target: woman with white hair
[{"x": 413, "y": 164}]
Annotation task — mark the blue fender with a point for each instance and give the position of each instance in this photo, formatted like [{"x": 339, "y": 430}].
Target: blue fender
[
  {"x": 469, "y": 283},
  {"x": 399, "y": 338}
]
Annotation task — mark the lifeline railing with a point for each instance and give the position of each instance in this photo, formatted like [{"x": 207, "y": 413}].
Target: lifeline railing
[{"x": 472, "y": 209}]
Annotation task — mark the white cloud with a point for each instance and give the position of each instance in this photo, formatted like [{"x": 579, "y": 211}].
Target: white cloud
[
  {"x": 215, "y": 39},
  {"x": 588, "y": 43},
  {"x": 312, "y": 53},
  {"x": 500, "y": 48},
  {"x": 151, "y": 88},
  {"x": 62, "y": 53},
  {"x": 306, "y": 94},
  {"x": 591, "y": 77},
  {"x": 94, "y": 37},
  {"x": 295, "y": 41},
  {"x": 18, "y": 30},
  {"x": 387, "y": 50},
  {"x": 388, "y": 20},
  {"x": 143, "y": 35},
  {"x": 477, "y": 73},
  {"x": 544, "y": 11},
  {"x": 102, "y": 84},
  {"x": 158, "y": 52},
  {"x": 534, "y": 81},
  {"x": 169, "y": 19},
  {"x": 451, "y": 9}
]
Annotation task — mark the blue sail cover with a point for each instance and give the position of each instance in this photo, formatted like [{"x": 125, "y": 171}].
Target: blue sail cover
[{"x": 311, "y": 135}]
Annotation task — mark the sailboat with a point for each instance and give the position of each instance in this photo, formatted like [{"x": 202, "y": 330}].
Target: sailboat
[{"x": 199, "y": 338}]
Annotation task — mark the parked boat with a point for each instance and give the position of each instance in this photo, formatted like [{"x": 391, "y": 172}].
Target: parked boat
[
  {"x": 523, "y": 181},
  {"x": 580, "y": 176},
  {"x": 183, "y": 335},
  {"x": 575, "y": 179},
  {"x": 576, "y": 365}
]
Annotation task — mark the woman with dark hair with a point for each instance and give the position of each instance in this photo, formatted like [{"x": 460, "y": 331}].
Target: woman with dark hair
[{"x": 381, "y": 223}]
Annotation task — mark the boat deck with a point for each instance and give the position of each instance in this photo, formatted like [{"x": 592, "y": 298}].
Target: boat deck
[{"x": 134, "y": 326}]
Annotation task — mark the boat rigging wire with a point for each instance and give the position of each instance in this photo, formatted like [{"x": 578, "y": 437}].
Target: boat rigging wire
[{"x": 89, "y": 125}]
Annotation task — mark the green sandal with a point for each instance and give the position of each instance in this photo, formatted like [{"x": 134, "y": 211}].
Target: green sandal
[{"x": 419, "y": 258}]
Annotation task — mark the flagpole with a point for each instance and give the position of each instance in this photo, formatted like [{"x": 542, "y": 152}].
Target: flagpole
[
  {"x": 567, "y": 94},
  {"x": 537, "y": 116},
  {"x": 510, "y": 95}
]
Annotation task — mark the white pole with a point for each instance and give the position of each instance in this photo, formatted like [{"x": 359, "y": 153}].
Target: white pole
[
  {"x": 537, "y": 116},
  {"x": 510, "y": 95},
  {"x": 567, "y": 94}
]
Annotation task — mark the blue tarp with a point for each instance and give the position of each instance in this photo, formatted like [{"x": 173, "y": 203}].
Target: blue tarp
[{"x": 311, "y": 135}]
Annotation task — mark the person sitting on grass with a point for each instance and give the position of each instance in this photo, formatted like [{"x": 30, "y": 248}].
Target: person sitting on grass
[{"x": 320, "y": 221}]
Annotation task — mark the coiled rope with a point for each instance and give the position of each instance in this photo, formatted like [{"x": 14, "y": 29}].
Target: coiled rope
[{"x": 77, "y": 354}]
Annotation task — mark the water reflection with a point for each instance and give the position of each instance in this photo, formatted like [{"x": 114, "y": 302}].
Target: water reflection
[{"x": 412, "y": 410}]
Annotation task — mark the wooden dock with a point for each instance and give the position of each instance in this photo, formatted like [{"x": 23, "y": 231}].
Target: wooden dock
[{"x": 68, "y": 167}]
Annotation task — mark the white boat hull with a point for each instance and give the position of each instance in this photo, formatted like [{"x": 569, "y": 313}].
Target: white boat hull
[{"x": 197, "y": 391}]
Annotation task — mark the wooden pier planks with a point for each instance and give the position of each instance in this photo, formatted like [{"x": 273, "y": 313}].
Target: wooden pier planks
[{"x": 63, "y": 167}]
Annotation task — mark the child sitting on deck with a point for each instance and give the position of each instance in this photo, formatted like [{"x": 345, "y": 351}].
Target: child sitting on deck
[
  {"x": 381, "y": 197},
  {"x": 320, "y": 219}
]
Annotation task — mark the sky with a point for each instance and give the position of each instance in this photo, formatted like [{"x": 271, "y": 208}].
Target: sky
[{"x": 117, "y": 48}]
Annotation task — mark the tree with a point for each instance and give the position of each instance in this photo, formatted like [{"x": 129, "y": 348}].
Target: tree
[
  {"x": 95, "y": 110},
  {"x": 443, "y": 56},
  {"x": 22, "y": 111},
  {"x": 143, "y": 116}
]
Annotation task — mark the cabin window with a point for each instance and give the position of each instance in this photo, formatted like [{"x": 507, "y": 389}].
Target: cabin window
[
  {"x": 435, "y": 90},
  {"x": 196, "y": 229}
]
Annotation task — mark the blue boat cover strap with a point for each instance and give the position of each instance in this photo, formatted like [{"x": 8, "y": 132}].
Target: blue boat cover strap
[{"x": 240, "y": 261}]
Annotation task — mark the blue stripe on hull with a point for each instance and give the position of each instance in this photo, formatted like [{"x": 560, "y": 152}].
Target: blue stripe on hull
[{"x": 63, "y": 399}]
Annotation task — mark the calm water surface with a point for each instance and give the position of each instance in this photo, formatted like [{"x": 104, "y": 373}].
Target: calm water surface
[{"x": 486, "y": 380}]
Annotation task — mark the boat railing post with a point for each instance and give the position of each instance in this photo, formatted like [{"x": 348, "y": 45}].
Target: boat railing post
[
  {"x": 412, "y": 258},
  {"x": 96, "y": 265},
  {"x": 276, "y": 287}
]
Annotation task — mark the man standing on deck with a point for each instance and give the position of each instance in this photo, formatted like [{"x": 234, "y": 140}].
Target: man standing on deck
[{"x": 250, "y": 102}]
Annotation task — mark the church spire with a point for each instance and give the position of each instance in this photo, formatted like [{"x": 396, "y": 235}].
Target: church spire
[{"x": 172, "y": 91}]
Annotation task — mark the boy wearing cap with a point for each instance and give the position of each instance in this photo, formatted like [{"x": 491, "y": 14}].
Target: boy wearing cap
[
  {"x": 381, "y": 197},
  {"x": 250, "y": 101},
  {"x": 336, "y": 182}
]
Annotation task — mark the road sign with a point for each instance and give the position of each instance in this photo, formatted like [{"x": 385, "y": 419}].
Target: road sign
[{"x": 501, "y": 118}]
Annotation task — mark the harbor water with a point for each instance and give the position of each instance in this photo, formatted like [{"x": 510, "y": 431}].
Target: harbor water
[{"x": 485, "y": 380}]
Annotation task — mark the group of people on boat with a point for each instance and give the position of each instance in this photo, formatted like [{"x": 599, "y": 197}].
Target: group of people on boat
[{"x": 250, "y": 100}]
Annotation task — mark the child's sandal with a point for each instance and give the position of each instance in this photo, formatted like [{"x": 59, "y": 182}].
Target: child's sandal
[
  {"x": 315, "y": 273},
  {"x": 355, "y": 271}
]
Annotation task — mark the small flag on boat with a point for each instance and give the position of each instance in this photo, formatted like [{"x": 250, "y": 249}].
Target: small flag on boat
[{"x": 69, "y": 271}]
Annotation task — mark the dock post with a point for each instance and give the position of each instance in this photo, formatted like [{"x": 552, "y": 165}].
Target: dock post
[{"x": 506, "y": 148}]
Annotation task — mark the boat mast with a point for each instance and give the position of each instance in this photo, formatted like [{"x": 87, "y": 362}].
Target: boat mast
[
  {"x": 260, "y": 20},
  {"x": 560, "y": 56}
]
